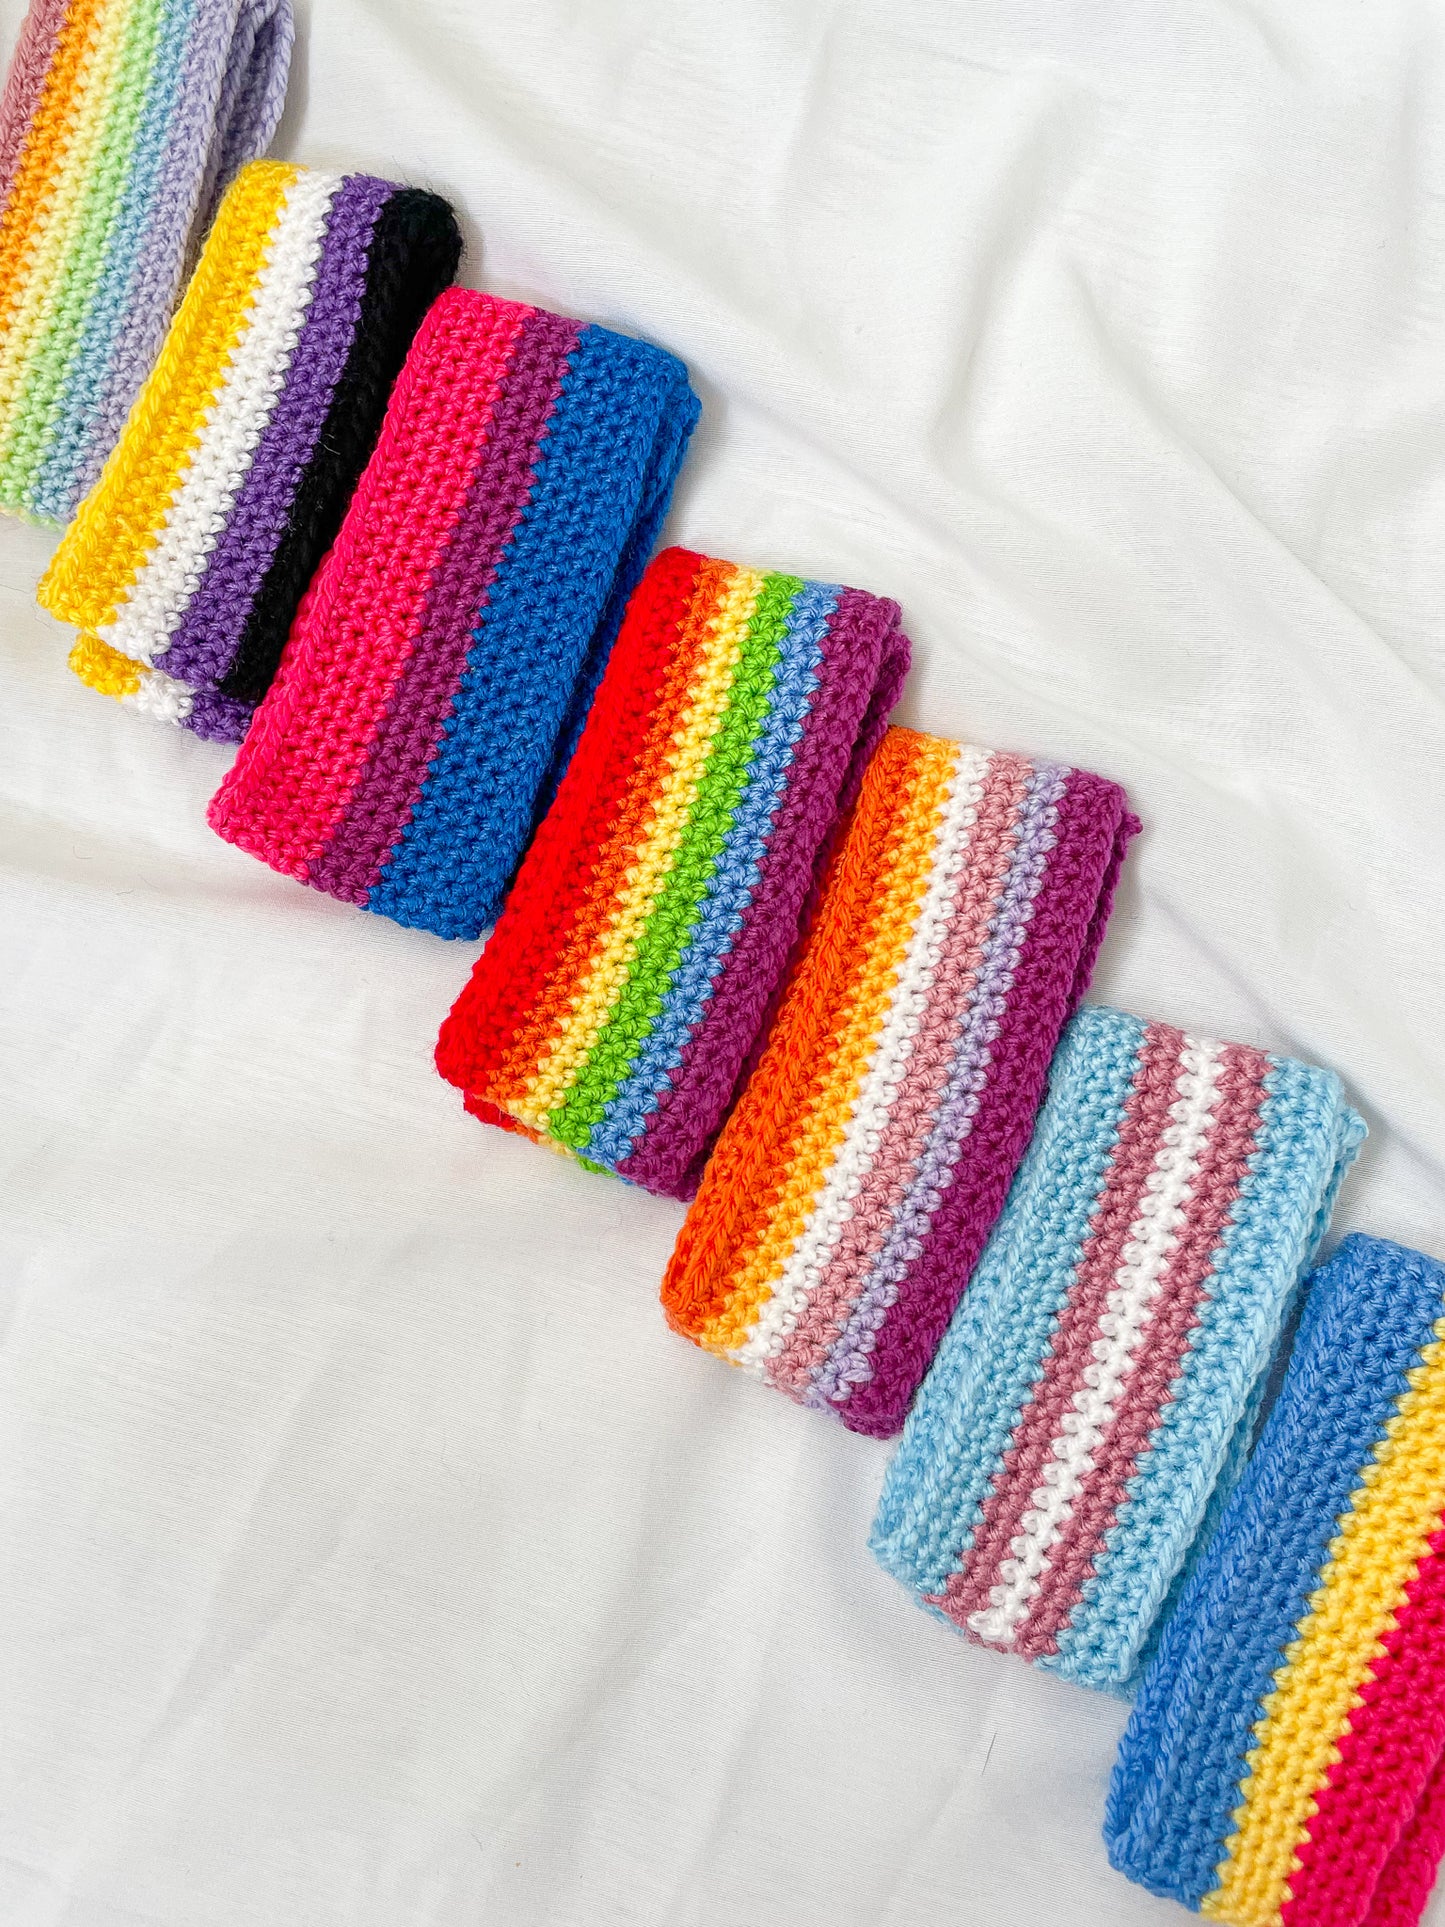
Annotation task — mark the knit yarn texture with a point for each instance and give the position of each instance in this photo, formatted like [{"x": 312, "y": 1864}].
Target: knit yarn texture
[
  {"x": 121, "y": 123},
  {"x": 641, "y": 952},
  {"x": 442, "y": 662},
  {"x": 1097, "y": 1386},
  {"x": 854, "y": 1187},
  {"x": 1283, "y": 1766},
  {"x": 186, "y": 562}
]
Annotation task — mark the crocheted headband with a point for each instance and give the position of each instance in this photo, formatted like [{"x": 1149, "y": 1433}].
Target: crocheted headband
[
  {"x": 440, "y": 664},
  {"x": 642, "y": 948},
  {"x": 851, "y": 1192},
  {"x": 1284, "y": 1765},
  {"x": 185, "y": 564},
  {"x": 1098, "y": 1382},
  {"x": 122, "y": 121}
]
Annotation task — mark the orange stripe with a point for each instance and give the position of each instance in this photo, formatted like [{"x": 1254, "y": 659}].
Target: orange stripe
[{"x": 768, "y": 1165}]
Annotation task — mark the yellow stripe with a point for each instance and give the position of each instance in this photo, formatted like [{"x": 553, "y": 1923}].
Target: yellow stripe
[
  {"x": 831, "y": 1099},
  {"x": 602, "y": 982},
  {"x": 37, "y": 280},
  {"x": 106, "y": 669},
  {"x": 118, "y": 522},
  {"x": 1381, "y": 1540}
]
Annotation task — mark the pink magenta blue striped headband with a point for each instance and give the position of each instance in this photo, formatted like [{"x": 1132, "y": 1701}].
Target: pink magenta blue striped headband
[
  {"x": 122, "y": 121},
  {"x": 641, "y": 951},
  {"x": 442, "y": 661},
  {"x": 1284, "y": 1765},
  {"x": 853, "y": 1188},
  {"x": 1096, "y": 1388},
  {"x": 185, "y": 564}
]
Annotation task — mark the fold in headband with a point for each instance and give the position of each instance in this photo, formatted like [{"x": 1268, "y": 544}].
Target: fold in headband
[
  {"x": 1102, "y": 1373},
  {"x": 854, "y": 1186},
  {"x": 186, "y": 563},
  {"x": 642, "y": 948},
  {"x": 1284, "y": 1765},
  {"x": 441, "y": 662},
  {"x": 121, "y": 123}
]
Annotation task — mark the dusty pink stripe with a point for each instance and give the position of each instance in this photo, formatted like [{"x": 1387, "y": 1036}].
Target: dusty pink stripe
[
  {"x": 24, "y": 84},
  {"x": 1222, "y": 1167},
  {"x": 990, "y": 852},
  {"x": 358, "y": 623},
  {"x": 1141, "y": 1130}
]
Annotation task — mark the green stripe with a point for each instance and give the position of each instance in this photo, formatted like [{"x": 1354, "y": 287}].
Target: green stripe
[
  {"x": 58, "y": 333},
  {"x": 674, "y": 914}
]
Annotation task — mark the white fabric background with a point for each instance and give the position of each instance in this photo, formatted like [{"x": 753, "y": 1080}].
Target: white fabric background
[{"x": 370, "y": 1553}]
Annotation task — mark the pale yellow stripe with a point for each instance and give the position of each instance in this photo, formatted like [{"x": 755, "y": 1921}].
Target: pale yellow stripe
[
  {"x": 39, "y": 275},
  {"x": 830, "y": 1102},
  {"x": 602, "y": 983},
  {"x": 118, "y": 522},
  {"x": 1394, "y": 1512}
]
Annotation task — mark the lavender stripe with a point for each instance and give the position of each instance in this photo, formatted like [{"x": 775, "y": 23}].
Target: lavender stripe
[
  {"x": 864, "y": 661},
  {"x": 402, "y": 750},
  {"x": 848, "y": 1361},
  {"x": 205, "y": 642}
]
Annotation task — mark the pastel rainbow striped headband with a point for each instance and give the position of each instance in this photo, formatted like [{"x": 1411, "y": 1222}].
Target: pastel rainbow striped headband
[
  {"x": 444, "y": 656},
  {"x": 121, "y": 123},
  {"x": 855, "y": 1184},
  {"x": 186, "y": 562},
  {"x": 642, "y": 948},
  {"x": 1284, "y": 1765},
  {"x": 1096, "y": 1388}
]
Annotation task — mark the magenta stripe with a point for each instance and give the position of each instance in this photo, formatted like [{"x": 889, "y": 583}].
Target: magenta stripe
[
  {"x": 1142, "y": 1125},
  {"x": 1222, "y": 1167},
  {"x": 911, "y": 1117},
  {"x": 406, "y": 740}
]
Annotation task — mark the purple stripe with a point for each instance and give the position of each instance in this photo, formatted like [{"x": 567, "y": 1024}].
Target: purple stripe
[
  {"x": 1090, "y": 824},
  {"x": 402, "y": 750},
  {"x": 205, "y": 642},
  {"x": 220, "y": 719},
  {"x": 848, "y": 1363},
  {"x": 865, "y": 658}
]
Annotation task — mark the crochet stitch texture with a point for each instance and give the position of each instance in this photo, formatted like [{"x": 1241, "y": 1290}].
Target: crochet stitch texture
[
  {"x": 1097, "y": 1385},
  {"x": 444, "y": 657},
  {"x": 1284, "y": 1765},
  {"x": 855, "y": 1184},
  {"x": 642, "y": 948},
  {"x": 187, "y": 561},
  {"x": 122, "y": 122}
]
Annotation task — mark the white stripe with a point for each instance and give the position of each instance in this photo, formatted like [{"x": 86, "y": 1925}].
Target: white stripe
[
  {"x": 232, "y": 426},
  {"x": 833, "y": 1206},
  {"x": 161, "y": 696},
  {"x": 1128, "y": 1311}
]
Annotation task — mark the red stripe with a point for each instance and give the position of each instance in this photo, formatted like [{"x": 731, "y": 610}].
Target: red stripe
[
  {"x": 1379, "y": 1822},
  {"x": 1145, "y": 1117},
  {"x": 1183, "y": 1287}
]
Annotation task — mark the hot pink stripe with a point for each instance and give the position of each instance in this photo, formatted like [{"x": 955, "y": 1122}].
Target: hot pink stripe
[
  {"x": 910, "y": 1118},
  {"x": 1183, "y": 1287},
  {"x": 1141, "y": 1130},
  {"x": 360, "y": 619}
]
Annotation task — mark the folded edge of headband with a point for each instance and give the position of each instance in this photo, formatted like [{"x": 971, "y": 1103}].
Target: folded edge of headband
[
  {"x": 640, "y": 952},
  {"x": 122, "y": 121},
  {"x": 187, "y": 561},
  {"x": 854, "y": 1187},
  {"x": 1285, "y": 1760},
  {"x": 1104, "y": 1366},
  {"x": 440, "y": 664}
]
